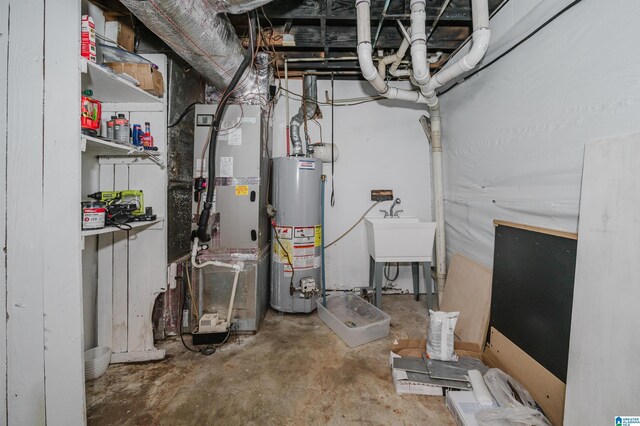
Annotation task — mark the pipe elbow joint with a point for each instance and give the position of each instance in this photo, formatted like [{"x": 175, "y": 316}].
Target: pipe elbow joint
[
  {"x": 480, "y": 45},
  {"x": 367, "y": 67},
  {"x": 433, "y": 102}
]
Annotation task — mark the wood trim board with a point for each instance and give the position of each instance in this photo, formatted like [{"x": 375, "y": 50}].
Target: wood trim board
[{"x": 563, "y": 234}]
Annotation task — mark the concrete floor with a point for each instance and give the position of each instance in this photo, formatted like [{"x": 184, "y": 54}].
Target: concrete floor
[{"x": 294, "y": 371}]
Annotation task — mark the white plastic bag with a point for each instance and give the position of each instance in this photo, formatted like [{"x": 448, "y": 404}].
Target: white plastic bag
[
  {"x": 440, "y": 335},
  {"x": 516, "y": 406},
  {"x": 502, "y": 387},
  {"x": 511, "y": 416}
]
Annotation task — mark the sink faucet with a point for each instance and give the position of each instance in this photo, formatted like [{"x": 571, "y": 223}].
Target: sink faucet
[
  {"x": 395, "y": 202},
  {"x": 393, "y": 206},
  {"x": 391, "y": 213}
]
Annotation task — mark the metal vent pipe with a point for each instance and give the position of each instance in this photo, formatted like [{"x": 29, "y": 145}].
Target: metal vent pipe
[{"x": 306, "y": 112}]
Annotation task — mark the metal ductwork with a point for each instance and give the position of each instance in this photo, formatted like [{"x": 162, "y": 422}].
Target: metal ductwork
[
  {"x": 307, "y": 109},
  {"x": 201, "y": 34}
]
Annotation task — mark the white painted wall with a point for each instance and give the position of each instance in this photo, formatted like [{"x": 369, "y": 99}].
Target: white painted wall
[
  {"x": 44, "y": 381},
  {"x": 602, "y": 378},
  {"x": 25, "y": 266},
  {"x": 514, "y": 134},
  {"x": 4, "y": 48},
  {"x": 62, "y": 296},
  {"x": 382, "y": 146}
]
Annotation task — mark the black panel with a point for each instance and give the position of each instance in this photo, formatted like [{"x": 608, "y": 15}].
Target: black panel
[
  {"x": 184, "y": 87},
  {"x": 532, "y": 294}
]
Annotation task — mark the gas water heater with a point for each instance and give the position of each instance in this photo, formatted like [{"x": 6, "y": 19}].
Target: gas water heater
[{"x": 296, "y": 234}]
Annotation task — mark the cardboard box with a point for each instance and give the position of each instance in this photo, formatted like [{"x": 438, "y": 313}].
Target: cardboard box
[
  {"x": 464, "y": 406},
  {"x": 121, "y": 33},
  {"x": 88, "y": 38},
  {"x": 149, "y": 78}
]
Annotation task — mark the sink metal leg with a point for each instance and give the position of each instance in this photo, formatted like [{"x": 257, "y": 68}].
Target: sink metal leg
[
  {"x": 432, "y": 290},
  {"x": 377, "y": 279},
  {"x": 372, "y": 265},
  {"x": 415, "y": 270}
]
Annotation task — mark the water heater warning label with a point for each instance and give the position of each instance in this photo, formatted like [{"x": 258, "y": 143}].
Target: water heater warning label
[
  {"x": 306, "y": 232},
  {"x": 303, "y": 250},
  {"x": 306, "y": 165},
  {"x": 285, "y": 232},
  {"x": 318, "y": 235}
]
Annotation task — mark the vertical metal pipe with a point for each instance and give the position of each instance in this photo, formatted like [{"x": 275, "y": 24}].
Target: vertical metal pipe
[
  {"x": 286, "y": 88},
  {"x": 324, "y": 284}
]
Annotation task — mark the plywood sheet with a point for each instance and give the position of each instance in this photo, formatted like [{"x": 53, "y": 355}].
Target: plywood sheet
[
  {"x": 603, "y": 378},
  {"x": 468, "y": 290},
  {"x": 544, "y": 387}
]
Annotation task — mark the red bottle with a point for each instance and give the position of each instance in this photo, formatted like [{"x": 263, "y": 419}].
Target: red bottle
[{"x": 147, "y": 139}]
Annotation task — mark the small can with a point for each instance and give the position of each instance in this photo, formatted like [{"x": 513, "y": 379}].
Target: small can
[
  {"x": 121, "y": 129},
  {"x": 93, "y": 214},
  {"x": 110, "y": 126},
  {"x": 137, "y": 135}
]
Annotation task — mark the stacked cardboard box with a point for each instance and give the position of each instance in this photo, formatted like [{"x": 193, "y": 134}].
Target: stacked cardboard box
[
  {"x": 149, "y": 78},
  {"x": 118, "y": 32}
]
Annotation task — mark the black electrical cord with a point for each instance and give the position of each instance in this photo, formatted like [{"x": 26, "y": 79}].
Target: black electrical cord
[
  {"x": 512, "y": 48},
  {"x": 184, "y": 114},
  {"x": 387, "y": 270},
  {"x": 333, "y": 189},
  {"x": 203, "y": 222}
]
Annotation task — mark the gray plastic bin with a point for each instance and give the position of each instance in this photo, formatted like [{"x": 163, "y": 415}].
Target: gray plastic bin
[{"x": 353, "y": 319}]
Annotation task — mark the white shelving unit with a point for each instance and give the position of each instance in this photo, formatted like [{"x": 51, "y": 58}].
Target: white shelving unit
[
  {"x": 112, "y": 88},
  {"x": 104, "y": 147},
  {"x": 109, "y": 229},
  {"x": 124, "y": 270}
]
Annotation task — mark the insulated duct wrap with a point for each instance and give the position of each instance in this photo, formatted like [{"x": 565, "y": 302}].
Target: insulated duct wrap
[
  {"x": 306, "y": 112},
  {"x": 259, "y": 95},
  {"x": 201, "y": 34}
]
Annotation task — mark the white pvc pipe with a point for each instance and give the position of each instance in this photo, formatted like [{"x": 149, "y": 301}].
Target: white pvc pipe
[
  {"x": 402, "y": 50},
  {"x": 395, "y": 61},
  {"x": 419, "y": 43},
  {"x": 233, "y": 296},
  {"x": 438, "y": 199},
  {"x": 194, "y": 252},
  {"x": 369, "y": 71},
  {"x": 481, "y": 36}
]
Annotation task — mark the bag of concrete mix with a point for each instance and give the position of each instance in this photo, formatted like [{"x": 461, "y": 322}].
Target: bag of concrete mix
[{"x": 440, "y": 335}]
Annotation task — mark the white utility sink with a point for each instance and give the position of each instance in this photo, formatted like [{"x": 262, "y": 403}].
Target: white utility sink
[{"x": 400, "y": 239}]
